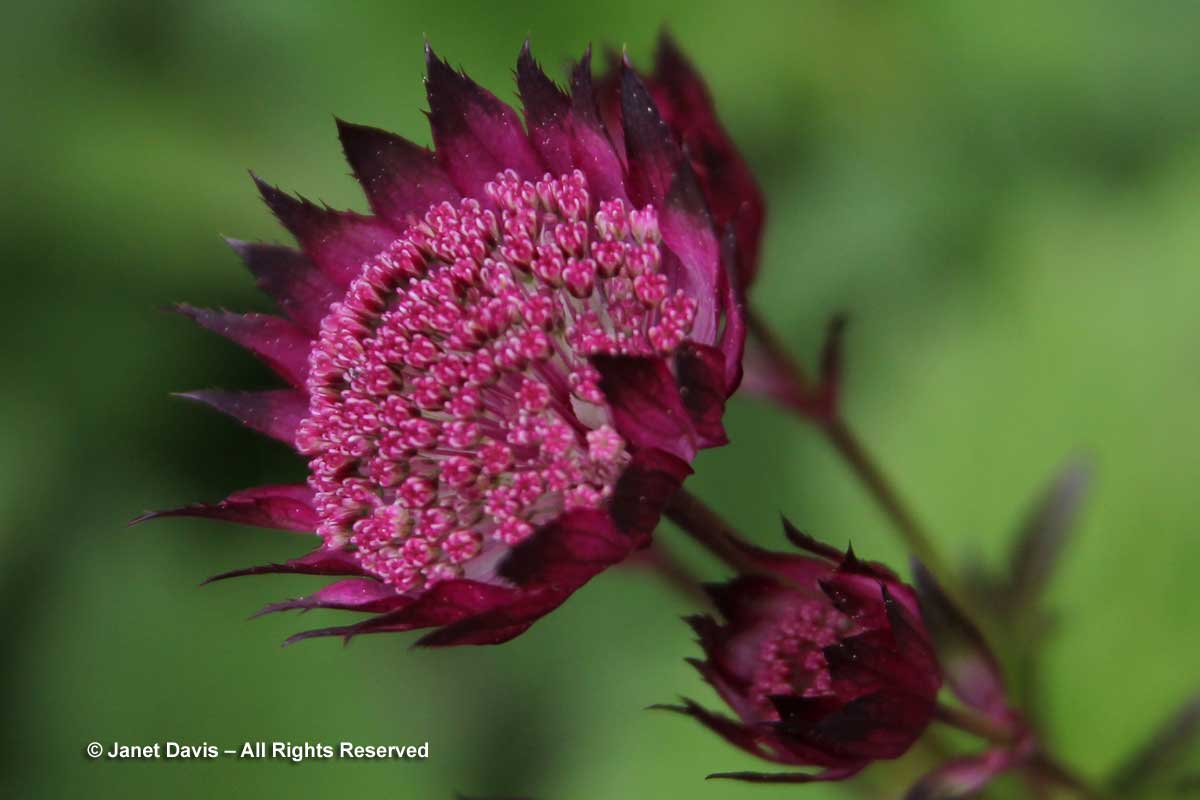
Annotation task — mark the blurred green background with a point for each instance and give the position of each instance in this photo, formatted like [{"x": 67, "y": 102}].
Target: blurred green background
[{"x": 1004, "y": 196}]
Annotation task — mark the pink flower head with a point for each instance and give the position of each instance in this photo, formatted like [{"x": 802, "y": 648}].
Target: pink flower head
[
  {"x": 825, "y": 661},
  {"x": 501, "y": 377},
  {"x": 733, "y": 195}
]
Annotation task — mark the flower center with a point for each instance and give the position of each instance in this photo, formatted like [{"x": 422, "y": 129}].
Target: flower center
[
  {"x": 453, "y": 408},
  {"x": 790, "y": 661}
]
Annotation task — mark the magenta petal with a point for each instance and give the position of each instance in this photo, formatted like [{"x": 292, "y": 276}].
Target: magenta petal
[
  {"x": 500, "y": 624},
  {"x": 870, "y": 662},
  {"x": 276, "y": 413},
  {"x": 352, "y": 594},
  {"x": 283, "y": 346},
  {"x": 646, "y": 405},
  {"x": 337, "y": 241},
  {"x": 321, "y": 561},
  {"x": 302, "y": 291},
  {"x": 569, "y": 551},
  {"x": 688, "y": 233},
  {"x": 566, "y": 130},
  {"x": 594, "y": 151},
  {"x": 547, "y": 114},
  {"x": 401, "y": 179},
  {"x": 961, "y": 778},
  {"x": 733, "y": 195},
  {"x": 701, "y": 375},
  {"x": 733, "y": 302},
  {"x": 455, "y": 601},
  {"x": 286, "y": 508},
  {"x": 476, "y": 135},
  {"x": 857, "y": 587},
  {"x": 652, "y": 155},
  {"x": 648, "y": 483},
  {"x": 877, "y": 725},
  {"x": 728, "y": 686},
  {"x": 912, "y": 643},
  {"x": 747, "y": 600},
  {"x": 738, "y": 734},
  {"x": 577, "y": 545}
]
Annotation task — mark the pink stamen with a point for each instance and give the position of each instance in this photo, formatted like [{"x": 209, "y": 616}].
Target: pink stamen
[{"x": 447, "y": 390}]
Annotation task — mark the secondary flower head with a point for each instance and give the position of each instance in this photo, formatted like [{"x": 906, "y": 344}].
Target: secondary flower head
[
  {"x": 501, "y": 377},
  {"x": 824, "y": 660}
]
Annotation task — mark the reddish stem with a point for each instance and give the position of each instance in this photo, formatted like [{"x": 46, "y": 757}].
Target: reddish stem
[
  {"x": 705, "y": 526},
  {"x": 839, "y": 434},
  {"x": 675, "y": 573},
  {"x": 1041, "y": 763}
]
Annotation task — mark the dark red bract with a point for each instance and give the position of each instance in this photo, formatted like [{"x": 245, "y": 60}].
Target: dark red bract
[
  {"x": 501, "y": 377},
  {"x": 824, "y": 661},
  {"x": 729, "y": 186}
]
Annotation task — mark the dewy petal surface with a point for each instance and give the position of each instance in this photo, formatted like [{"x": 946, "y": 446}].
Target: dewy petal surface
[
  {"x": 400, "y": 179},
  {"x": 302, "y": 291}
]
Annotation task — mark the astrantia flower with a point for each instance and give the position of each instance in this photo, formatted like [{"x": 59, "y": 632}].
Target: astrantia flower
[
  {"x": 826, "y": 664},
  {"x": 501, "y": 377}
]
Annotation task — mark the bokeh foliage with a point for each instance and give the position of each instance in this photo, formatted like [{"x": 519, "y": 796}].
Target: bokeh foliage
[{"x": 1003, "y": 196}]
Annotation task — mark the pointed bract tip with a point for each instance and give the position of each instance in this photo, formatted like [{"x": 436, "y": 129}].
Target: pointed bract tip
[
  {"x": 583, "y": 67},
  {"x": 239, "y": 246},
  {"x": 318, "y": 632},
  {"x": 143, "y": 517},
  {"x": 670, "y": 62},
  {"x": 345, "y": 127},
  {"x": 665, "y": 707},
  {"x": 734, "y": 776},
  {"x": 437, "y": 67},
  {"x": 831, "y": 774},
  {"x": 276, "y": 199},
  {"x": 810, "y": 544}
]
